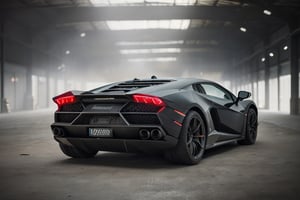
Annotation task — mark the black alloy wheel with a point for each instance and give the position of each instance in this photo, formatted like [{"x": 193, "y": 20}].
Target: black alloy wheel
[
  {"x": 251, "y": 129},
  {"x": 195, "y": 138},
  {"x": 192, "y": 141}
]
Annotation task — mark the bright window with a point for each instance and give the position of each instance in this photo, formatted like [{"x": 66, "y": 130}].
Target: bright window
[{"x": 180, "y": 24}]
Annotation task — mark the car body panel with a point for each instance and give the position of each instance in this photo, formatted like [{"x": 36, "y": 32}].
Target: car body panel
[{"x": 107, "y": 107}]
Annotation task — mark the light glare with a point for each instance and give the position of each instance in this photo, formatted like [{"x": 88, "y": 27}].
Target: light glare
[
  {"x": 147, "y": 51},
  {"x": 267, "y": 12},
  {"x": 180, "y": 24},
  {"x": 158, "y": 59},
  {"x": 243, "y": 29},
  {"x": 149, "y": 43},
  {"x": 139, "y": 2}
]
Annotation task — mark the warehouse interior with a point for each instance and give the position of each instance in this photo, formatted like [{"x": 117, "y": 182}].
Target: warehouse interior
[{"x": 48, "y": 47}]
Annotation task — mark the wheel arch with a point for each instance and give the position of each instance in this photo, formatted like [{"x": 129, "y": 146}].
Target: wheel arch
[
  {"x": 253, "y": 106},
  {"x": 201, "y": 113}
]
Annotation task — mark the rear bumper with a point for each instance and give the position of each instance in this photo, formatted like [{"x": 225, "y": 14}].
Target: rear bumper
[
  {"x": 125, "y": 138},
  {"x": 119, "y": 145}
]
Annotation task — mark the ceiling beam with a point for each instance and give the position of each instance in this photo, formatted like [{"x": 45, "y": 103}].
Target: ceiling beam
[
  {"x": 66, "y": 15},
  {"x": 226, "y": 34},
  {"x": 230, "y": 41}
]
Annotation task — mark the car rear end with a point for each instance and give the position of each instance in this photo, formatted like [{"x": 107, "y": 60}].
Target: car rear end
[{"x": 113, "y": 120}]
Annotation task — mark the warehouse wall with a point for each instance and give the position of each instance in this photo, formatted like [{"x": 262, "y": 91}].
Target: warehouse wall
[{"x": 266, "y": 73}]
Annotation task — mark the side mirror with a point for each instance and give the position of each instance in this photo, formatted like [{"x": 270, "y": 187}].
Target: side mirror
[{"x": 243, "y": 95}]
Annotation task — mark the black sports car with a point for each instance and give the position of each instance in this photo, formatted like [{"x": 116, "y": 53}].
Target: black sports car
[{"x": 178, "y": 117}]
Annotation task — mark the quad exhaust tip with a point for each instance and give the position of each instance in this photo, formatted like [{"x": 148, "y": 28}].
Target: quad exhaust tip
[
  {"x": 144, "y": 134},
  {"x": 59, "y": 132},
  {"x": 156, "y": 134}
]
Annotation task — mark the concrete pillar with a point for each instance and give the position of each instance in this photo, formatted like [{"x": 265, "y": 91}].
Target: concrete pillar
[
  {"x": 252, "y": 77},
  {"x": 47, "y": 89},
  {"x": 257, "y": 77},
  {"x": 242, "y": 76},
  {"x": 28, "y": 103},
  {"x": 238, "y": 79},
  {"x": 55, "y": 85},
  {"x": 3, "y": 106},
  {"x": 267, "y": 77},
  {"x": 294, "y": 56},
  {"x": 278, "y": 79}
]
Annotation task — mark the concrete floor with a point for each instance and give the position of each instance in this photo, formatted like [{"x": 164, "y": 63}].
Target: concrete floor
[{"x": 32, "y": 167}]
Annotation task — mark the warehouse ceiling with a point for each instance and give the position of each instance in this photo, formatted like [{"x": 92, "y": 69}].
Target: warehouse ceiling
[{"x": 193, "y": 33}]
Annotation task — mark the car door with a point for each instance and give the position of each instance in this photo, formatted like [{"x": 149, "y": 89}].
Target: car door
[{"x": 226, "y": 119}]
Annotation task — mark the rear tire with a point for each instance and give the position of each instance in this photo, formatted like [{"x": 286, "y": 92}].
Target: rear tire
[
  {"x": 251, "y": 128},
  {"x": 192, "y": 141},
  {"x": 74, "y": 152}
]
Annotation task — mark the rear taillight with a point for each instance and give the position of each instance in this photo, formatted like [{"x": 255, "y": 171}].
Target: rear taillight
[
  {"x": 146, "y": 99},
  {"x": 63, "y": 99}
]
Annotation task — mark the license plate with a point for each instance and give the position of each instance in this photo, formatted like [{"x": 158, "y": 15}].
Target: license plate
[{"x": 100, "y": 132}]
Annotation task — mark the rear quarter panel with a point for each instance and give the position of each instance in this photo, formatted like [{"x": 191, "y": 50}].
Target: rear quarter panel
[{"x": 186, "y": 100}]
